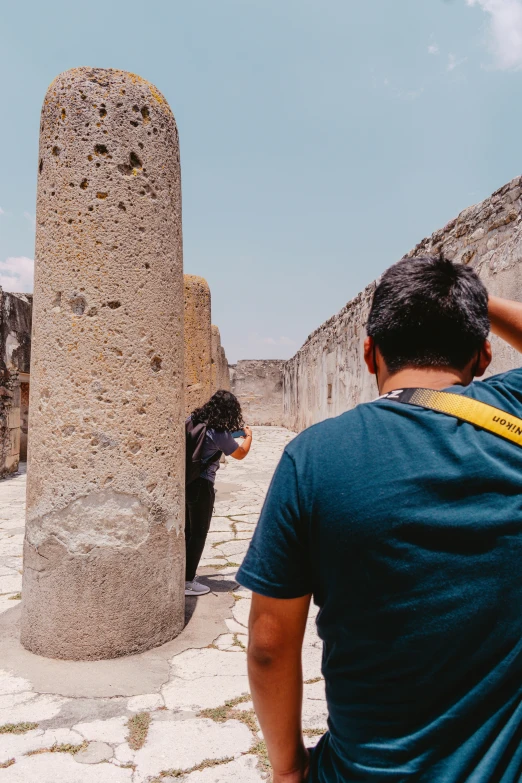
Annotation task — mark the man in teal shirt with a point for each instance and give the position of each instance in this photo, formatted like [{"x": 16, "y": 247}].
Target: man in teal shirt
[{"x": 405, "y": 527}]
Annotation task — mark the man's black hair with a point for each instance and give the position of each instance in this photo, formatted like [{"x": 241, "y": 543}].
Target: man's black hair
[{"x": 429, "y": 312}]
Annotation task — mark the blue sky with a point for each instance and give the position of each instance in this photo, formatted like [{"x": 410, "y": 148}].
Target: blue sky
[{"x": 320, "y": 139}]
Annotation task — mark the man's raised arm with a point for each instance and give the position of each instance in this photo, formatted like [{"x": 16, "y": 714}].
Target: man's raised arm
[{"x": 505, "y": 316}]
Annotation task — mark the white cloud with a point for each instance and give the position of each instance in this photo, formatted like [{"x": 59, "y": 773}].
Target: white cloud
[
  {"x": 453, "y": 62},
  {"x": 505, "y": 31},
  {"x": 30, "y": 218},
  {"x": 433, "y": 49},
  {"x": 17, "y": 274}
]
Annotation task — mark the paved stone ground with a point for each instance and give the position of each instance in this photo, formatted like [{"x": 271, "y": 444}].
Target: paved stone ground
[{"x": 181, "y": 712}]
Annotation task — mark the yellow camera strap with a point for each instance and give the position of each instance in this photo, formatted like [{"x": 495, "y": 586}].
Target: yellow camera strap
[{"x": 464, "y": 408}]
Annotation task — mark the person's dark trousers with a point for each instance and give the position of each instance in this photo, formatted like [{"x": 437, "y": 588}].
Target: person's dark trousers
[{"x": 199, "y": 504}]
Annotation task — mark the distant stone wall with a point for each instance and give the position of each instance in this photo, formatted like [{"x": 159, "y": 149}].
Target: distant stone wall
[
  {"x": 220, "y": 372},
  {"x": 258, "y": 384},
  {"x": 15, "y": 359},
  {"x": 327, "y": 376},
  {"x": 198, "y": 380}
]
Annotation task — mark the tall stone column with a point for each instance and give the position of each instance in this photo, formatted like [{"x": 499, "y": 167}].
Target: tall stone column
[
  {"x": 104, "y": 548},
  {"x": 198, "y": 380}
]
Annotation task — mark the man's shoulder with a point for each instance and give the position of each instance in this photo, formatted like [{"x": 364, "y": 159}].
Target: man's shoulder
[{"x": 346, "y": 424}]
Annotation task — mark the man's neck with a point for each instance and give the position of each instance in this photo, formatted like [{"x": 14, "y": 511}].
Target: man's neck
[{"x": 425, "y": 378}]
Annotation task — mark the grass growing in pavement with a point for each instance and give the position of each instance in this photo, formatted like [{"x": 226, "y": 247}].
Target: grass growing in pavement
[
  {"x": 179, "y": 773},
  {"x": 16, "y": 597},
  {"x": 65, "y": 747},
  {"x": 17, "y": 728},
  {"x": 8, "y": 763},
  {"x": 260, "y": 750},
  {"x": 138, "y": 727}
]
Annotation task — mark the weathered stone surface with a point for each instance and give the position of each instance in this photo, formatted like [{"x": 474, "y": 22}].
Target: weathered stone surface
[
  {"x": 15, "y": 356},
  {"x": 258, "y": 385},
  {"x": 220, "y": 369},
  {"x": 103, "y": 572},
  {"x": 179, "y": 745},
  {"x": 198, "y": 377},
  {"x": 94, "y": 753},
  {"x": 62, "y": 768},
  {"x": 246, "y": 769},
  {"x": 327, "y": 376}
]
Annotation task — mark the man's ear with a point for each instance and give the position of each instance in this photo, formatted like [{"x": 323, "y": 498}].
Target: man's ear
[
  {"x": 369, "y": 355},
  {"x": 484, "y": 359}
]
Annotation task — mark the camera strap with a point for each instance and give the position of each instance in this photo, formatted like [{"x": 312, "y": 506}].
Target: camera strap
[{"x": 482, "y": 415}]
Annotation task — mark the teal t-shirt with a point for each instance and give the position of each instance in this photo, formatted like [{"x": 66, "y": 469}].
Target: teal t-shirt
[{"x": 406, "y": 526}]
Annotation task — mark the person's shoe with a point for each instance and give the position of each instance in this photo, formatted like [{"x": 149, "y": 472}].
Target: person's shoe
[{"x": 196, "y": 588}]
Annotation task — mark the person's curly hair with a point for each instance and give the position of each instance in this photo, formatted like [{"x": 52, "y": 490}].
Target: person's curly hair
[{"x": 222, "y": 412}]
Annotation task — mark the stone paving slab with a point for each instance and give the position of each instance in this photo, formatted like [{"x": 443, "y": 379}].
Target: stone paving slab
[{"x": 80, "y": 715}]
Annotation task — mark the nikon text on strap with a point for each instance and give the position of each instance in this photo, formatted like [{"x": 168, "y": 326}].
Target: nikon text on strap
[{"x": 464, "y": 408}]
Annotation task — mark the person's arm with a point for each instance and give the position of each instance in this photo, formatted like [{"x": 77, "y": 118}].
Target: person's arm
[
  {"x": 505, "y": 316},
  {"x": 242, "y": 451},
  {"x": 276, "y": 631}
]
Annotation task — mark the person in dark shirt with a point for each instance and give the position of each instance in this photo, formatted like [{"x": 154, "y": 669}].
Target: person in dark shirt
[
  {"x": 222, "y": 415},
  {"x": 405, "y": 527}
]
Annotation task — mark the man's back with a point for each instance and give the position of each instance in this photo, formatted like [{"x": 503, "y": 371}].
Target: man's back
[{"x": 409, "y": 536}]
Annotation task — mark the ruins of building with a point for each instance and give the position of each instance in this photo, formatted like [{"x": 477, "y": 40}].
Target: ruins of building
[
  {"x": 198, "y": 374},
  {"x": 15, "y": 357},
  {"x": 104, "y": 546},
  {"x": 258, "y": 385},
  {"x": 328, "y": 376},
  {"x": 220, "y": 372}
]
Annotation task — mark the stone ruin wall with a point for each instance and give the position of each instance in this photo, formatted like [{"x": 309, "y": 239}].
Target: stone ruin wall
[
  {"x": 15, "y": 357},
  {"x": 258, "y": 384},
  {"x": 198, "y": 350},
  {"x": 220, "y": 372},
  {"x": 327, "y": 376}
]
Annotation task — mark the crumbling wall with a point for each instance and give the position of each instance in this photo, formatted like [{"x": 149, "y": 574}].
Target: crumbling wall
[
  {"x": 258, "y": 384},
  {"x": 15, "y": 357},
  {"x": 198, "y": 380},
  {"x": 328, "y": 376},
  {"x": 220, "y": 373}
]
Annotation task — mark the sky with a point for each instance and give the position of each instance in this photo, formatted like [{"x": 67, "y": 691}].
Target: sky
[{"x": 320, "y": 139}]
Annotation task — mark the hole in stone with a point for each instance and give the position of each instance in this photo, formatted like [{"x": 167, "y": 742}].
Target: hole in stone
[
  {"x": 133, "y": 122},
  {"x": 101, "y": 195},
  {"x": 101, "y": 149},
  {"x": 89, "y": 157},
  {"x": 40, "y": 167},
  {"x": 91, "y": 209},
  {"x": 140, "y": 145},
  {"x": 135, "y": 161},
  {"x": 103, "y": 112},
  {"x": 145, "y": 114},
  {"x": 63, "y": 114},
  {"x": 155, "y": 363},
  {"x": 83, "y": 184},
  {"x": 56, "y": 151},
  {"x": 114, "y": 304},
  {"x": 147, "y": 265},
  {"x": 154, "y": 130},
  {"x": 122, "y": 206},
  {"x": 135, "y": 108},
  {"x": 78, "y": 305}
]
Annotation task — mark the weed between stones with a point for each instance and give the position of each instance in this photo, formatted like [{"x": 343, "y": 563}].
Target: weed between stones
[
  {"x": 179, "y": 773},
  {"x": 17, "y": 728},
  {"x": 138, "y": 727},
  {"x": 7, "y": 763},
  {"x": 16, "y": 597},
  {"x": 66, "y": 747}
]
